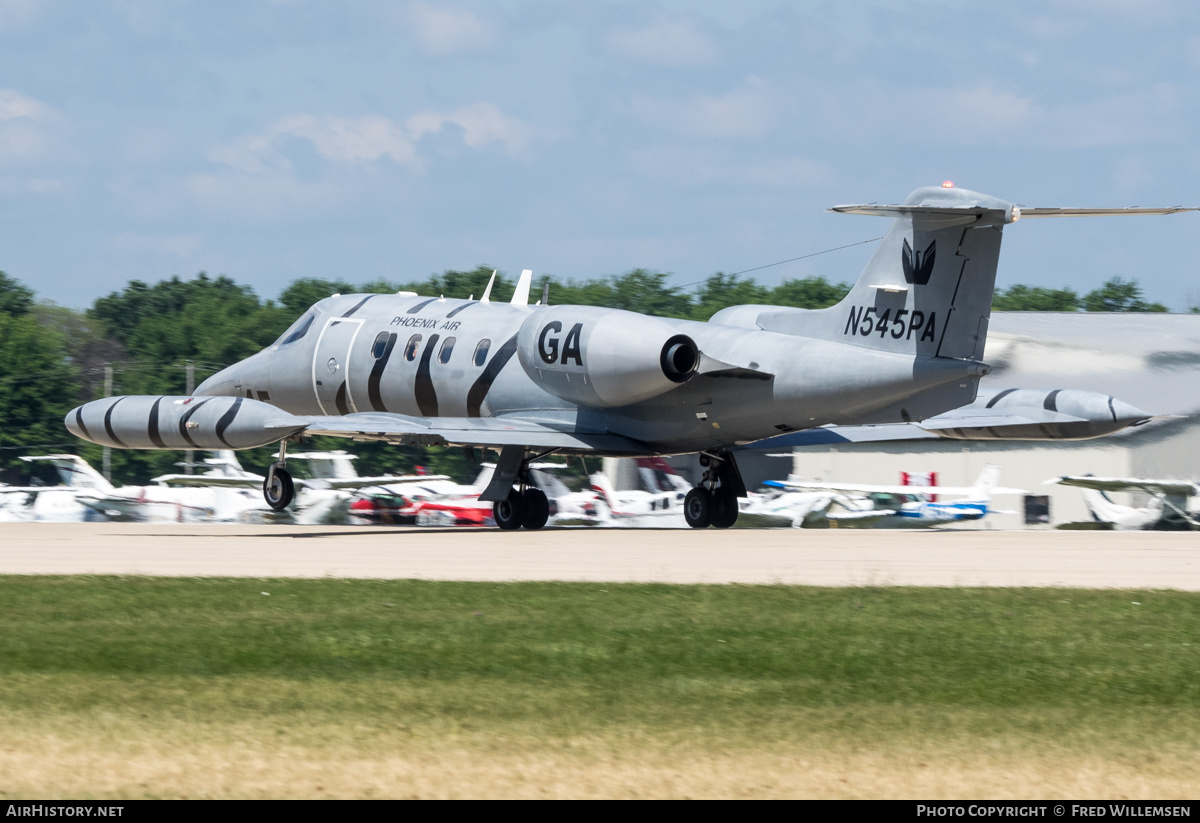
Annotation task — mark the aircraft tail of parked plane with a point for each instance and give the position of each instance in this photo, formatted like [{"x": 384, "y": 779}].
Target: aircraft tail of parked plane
[{"x": 74, "y": 471}]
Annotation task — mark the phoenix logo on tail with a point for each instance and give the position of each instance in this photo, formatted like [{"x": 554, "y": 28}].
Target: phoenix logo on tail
[{"x": 917, "y": 265}]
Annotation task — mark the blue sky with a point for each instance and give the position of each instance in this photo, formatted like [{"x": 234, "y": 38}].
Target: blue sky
[{"x": 275, "y": 140}]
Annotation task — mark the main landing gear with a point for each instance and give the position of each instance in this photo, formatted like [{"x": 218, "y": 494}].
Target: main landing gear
[
  {"x": 278, "y": 488},
  {"x": 715, "y": 501},
  {"x": 527, "y": 507},
  {"x": 516, "y": 503}
]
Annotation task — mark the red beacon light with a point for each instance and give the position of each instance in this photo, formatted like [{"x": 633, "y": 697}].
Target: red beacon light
[{"x": 948, "y": 184}]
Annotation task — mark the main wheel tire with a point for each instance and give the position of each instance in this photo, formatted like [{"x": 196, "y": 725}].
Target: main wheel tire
[
  {"x": 698, "y": 508},
  {"x": 509, "y": 513},
  {"x": 726, "y": 513},
  {"x": 278, "y": 489},
  {"x": 537, "y": 509}
]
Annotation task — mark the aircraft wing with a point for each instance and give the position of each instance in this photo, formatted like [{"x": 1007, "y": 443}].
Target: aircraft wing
[
  {"x": 961, "y": 491},
  {"x": 1129, "y": 484},
  {"x": 201, "y": 480},
  {"x": 859, "y": 517},
  {"x": 383, "y": 480},
  {"x": 469, "y": 431}
]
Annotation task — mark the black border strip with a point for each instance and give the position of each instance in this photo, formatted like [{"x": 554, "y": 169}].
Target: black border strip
[
  {"x": 152, "y": 425},
  {"x": 359, "y": 305},
  {"x": 108, "y": 424},
  {"x": 184, "y": 420},
  {"x": 423, "y": 388},
  {"x": 480, "y": 388},
  {"x": 373, "y": 394},
  {"x": 226, "y": 419},
  {"x": 421, "y": 305}
]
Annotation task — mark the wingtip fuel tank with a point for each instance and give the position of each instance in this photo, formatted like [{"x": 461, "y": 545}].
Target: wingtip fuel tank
[{"x": 166, "y": 422}]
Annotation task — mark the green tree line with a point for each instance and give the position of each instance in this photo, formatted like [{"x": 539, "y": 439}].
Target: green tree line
[{"x": 53, "y": 358}]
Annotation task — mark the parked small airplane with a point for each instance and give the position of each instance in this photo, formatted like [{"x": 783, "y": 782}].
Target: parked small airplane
[
  {"x": 906, "y": 344},
  {"x": 59, "y": 503},
  {"x": 658, "y": 503},
  {"x": 898, "y": 507},
  {"x": 1168, "y": 509}
]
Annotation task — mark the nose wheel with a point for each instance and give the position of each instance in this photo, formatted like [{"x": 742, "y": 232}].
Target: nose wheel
[{"x": 278, "y": 489}]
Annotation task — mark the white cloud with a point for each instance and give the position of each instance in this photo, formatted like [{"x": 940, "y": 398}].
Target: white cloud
[
  {"x": 176, "y": 245},
  {"x": 481, "y": 123},
  {"x": 364, "y": 140},
  {"x": 14, "y": 105},
  {"x": 445, "y": 30},
  {"x": 26, "y": 128},
  {"x": 744, "y": 112},
  {"x": 665, "y": 42}
]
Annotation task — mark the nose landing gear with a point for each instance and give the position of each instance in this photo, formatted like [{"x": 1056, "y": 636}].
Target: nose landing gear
[
  {"x": 715, "y": 501},
  {"x": 278, "y": 489}
]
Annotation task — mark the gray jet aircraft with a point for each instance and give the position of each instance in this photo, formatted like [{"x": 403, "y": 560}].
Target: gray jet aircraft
[{"x": 530, "y": 380}]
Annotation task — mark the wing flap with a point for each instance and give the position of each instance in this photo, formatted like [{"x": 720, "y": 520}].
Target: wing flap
[
  {"x": 470, "y": 431},
  {"x": 984, "y": 418}
]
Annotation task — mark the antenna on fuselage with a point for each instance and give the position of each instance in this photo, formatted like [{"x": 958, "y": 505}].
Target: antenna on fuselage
[
  {"x": 521, "y": 295},
  {"x": 545, "y": 301},
  {"x": 487, "y": 293}
]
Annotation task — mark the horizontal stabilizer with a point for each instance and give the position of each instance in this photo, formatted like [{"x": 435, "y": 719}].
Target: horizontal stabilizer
[{"x": 1050, "y": 212}]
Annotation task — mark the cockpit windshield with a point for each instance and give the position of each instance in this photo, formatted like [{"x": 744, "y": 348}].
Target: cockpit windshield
[{"x": 296, "y": 331}]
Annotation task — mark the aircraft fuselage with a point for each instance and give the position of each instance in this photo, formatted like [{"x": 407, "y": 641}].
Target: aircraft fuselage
[{"x": 458, "y": 358}]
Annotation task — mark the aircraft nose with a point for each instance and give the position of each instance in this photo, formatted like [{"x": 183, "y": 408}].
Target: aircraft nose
[
  {"x": 248, "y": 375},
  {"x": 226, "y": 382}
]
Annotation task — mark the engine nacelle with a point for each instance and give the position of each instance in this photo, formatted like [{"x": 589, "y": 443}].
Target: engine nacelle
[{"x": 604, "y": 357}]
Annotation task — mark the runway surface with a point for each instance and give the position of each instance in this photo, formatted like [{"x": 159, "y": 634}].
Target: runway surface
[{"x": 1135, "y": 560}]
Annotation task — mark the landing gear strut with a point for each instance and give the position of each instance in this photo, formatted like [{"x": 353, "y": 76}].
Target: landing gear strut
[
  {"x": 278, "y": 488},
  {"x": 516, "y": 503},
  {"x": 715, "y": 501}
]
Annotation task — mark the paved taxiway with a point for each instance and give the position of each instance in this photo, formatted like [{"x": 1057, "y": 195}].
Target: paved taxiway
[{"x": 825, "y": 558}]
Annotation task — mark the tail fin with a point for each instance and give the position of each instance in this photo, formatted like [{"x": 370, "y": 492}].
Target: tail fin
[
  {"x": 75, "y": 471},
  {"x": 602, "y": 487},
  {"x": 985, "y": 484},
  {"x": 658, "y": 475},
  {"x": 928, "y": 289}
]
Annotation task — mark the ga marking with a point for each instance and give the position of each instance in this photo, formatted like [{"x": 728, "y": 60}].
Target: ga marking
[
  {"x": 902, "y": 325},
  {"x": 548, "y": 345}
]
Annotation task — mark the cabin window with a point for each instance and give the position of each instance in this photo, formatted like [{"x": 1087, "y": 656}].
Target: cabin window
[
  {"x": 410, "y": 351},
  {"x": 447, "y": 349},
  {"x": 297, "y": 330},
  {"x": 380, "y": 345},
  {"x": 481, "y": 352}
]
